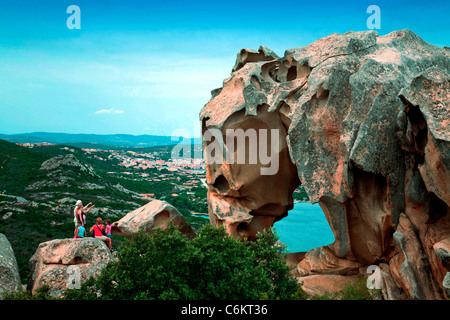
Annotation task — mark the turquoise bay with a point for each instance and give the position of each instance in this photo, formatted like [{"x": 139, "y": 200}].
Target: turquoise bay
[{"x": 304, "y": 228}]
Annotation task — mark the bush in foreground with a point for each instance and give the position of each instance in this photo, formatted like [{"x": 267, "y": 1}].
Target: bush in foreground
[{"x": 213, "y": 265}]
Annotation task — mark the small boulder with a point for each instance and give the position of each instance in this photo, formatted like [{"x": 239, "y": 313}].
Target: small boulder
[
  {"x": 66, "y": 263},
  {"x": 155, "y": 214},
  {"x": 9, "y": 272},
  {"x": 323, "y": 260},
  {"x": 320, "y": 284}
]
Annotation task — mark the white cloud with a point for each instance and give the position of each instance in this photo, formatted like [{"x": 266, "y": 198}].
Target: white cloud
[{"x": 109, "y": 111}]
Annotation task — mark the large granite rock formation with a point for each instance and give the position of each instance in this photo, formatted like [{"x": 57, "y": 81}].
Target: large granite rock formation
[
  {"x": 9, "y": 272},
  {"x": 155, "y": 214},
  {"x": 363, "y": 124},
  {"x": 66, "y": 263}
]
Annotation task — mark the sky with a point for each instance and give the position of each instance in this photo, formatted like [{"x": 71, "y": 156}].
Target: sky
[{"x": 146, "y": 67}]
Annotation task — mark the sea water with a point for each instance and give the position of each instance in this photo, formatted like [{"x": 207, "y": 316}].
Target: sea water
[{"x": 304, "y": 228}]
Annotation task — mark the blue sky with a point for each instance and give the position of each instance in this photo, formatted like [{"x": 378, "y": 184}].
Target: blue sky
[{"x": 144, "y": 67}]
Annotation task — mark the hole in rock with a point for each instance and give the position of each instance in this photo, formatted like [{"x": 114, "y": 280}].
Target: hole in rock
[
  {"x": 322, "y": 95},
  {"x": 304, "y": 228},
  {"x": 78, "y": 260},
  {"x": 242, "y": 229},
  {"x": 269, "y": 71},
  {"x": 221, "y": 184},
  {"x": 292, "y": 73},
  {"x": 248, "y": 57},
  {"x": 437, "y": 209},
  {"x": 419, "y": 129},
  {"x": 303, "y": 71},
  {"x": 255, "y": 81}
]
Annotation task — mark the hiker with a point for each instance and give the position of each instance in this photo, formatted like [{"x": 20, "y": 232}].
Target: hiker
[
  {"x": 99, "y": 232},
  {"x": 80, "y": 212},
  {"x": 108, "y": 231},
  {"x": 80, "y": 231},
  {"x": 108, "y": 228}
]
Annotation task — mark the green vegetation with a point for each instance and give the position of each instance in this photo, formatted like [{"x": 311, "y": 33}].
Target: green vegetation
[
  {"x": 300, "y": 194},
  {"x": 18, "y": 166},
  {"x": 212, "y": 266},
  {"x": 166, "y": 265},
  {"x": 42, "y": 293},
  {"x": 356, "y": 291}
]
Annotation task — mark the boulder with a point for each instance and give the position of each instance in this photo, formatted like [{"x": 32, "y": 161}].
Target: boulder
[
  {"x": 9, "y": 272},
  {"x": 361, "y": 121},
  {"x": 323, "y": 260},
  {"x": 318, "y": 285},
  {"x": 67, "y": 263},
  {"x": 155, "y": 214}
]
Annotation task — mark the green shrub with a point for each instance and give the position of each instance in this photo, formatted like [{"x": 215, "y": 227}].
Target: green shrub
[
  {"x": 357, "y": 291},
  {"x": 354, "y": 291},
  {"x": 42, "y": 293},
  {"x": 213, "y": 265}
]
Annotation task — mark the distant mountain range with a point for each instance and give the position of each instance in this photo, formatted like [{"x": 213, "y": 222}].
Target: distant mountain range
[{"x": 96, "y": 140}]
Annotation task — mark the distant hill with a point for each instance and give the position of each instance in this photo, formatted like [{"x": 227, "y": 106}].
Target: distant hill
[{"x": 83, "y": 140}]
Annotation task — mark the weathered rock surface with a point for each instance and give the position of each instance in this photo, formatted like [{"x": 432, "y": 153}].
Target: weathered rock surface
[
  {"x": 58, "y": 263},
  {"x": 155, "y": 214},
  {"x": 446, "y": 284},
  {"x": 410, "y": 267},
  {"x": 318, "y": 285},
  {"x": 9, "y": 272},
  {"x": 323, "y": 260},
  {"x": 363, "y": 123},
  {"x": 66, "y": 160}
]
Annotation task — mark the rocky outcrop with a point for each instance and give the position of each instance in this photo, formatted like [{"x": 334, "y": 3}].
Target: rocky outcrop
[
  {"x": 66, "y": 263},
  {"x": 323, "y": 260},
  {"x": 68, "y": 160},
  {"x": 361, "y": 121},
  {"x": 322, "y": 284},
  {"x": 67, "y": 171},
  {"x": 9, "y": 272},
  {"x": 155, "y": 214}
]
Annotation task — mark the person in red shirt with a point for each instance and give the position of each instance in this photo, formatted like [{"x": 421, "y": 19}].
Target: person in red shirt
[{"x": 99, "y": 232}]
